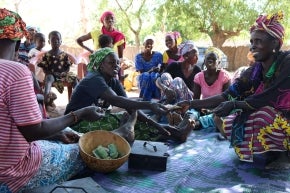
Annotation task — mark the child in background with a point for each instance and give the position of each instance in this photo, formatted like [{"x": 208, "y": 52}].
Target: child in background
[
  {"x": 33, "y": 55},
  {"x": 26, "y": 46},
  {"x": 105, "y": 41},
  {"x": 56, "y": 66}
]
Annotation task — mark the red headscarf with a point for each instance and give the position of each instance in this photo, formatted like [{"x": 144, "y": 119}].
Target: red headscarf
[
  {"x": 271, "y": 24},
  {"x": 118, "y": 37},
  {"x": 105, "y": 14}
]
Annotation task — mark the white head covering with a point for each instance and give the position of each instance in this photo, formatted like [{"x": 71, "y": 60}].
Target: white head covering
[
  {"x": 149, "y": 37},
  {"x": 186, "y": 47}
]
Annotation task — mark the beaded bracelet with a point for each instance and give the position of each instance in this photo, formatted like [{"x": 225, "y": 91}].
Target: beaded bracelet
[
  {"x": 74, "y": 116},
  {"x": 249, "y": 105}
]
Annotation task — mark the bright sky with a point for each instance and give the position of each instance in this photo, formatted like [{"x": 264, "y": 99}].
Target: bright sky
[{"x": 60, "y": 15}]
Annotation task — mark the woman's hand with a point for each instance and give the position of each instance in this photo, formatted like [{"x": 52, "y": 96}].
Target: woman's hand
[
  {"x": 66, "y": 137},
  {"x": 156, "y": 69},
  {"x": 158, "y": 108},
  {"x": 224, "y": 108},
  {"x": 184, "y": 104},
  {"x": 170, "y": 94},
  {"x": 165, "y": 129},
  {"x": 91, "y": 113}
]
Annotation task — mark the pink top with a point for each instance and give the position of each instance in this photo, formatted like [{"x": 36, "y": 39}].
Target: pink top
[
  {"x": 214, "y": 89},
  {"x": 19, "y": 159}
]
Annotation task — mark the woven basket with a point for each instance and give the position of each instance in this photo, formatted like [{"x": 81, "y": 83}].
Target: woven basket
[{"x": 91, "y": 140}]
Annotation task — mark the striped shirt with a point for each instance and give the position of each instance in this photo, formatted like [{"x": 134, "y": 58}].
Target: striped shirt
[{"x": 19, "y": 159}]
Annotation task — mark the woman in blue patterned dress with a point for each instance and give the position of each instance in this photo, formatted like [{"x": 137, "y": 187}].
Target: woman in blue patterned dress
[{"x": 148, "y": 63}]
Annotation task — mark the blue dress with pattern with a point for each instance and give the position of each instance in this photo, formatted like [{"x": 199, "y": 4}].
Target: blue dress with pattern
[{"x": 146, "y": 81}]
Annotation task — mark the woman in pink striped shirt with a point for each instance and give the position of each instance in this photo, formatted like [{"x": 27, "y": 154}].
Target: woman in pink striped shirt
[{"x": 33, "y": 152}]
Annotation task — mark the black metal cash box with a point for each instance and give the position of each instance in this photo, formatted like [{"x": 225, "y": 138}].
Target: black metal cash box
[{"x": 148, "y": 155}]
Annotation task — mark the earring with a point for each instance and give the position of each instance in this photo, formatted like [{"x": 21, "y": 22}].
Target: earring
[{"x": 274, "y": 50}]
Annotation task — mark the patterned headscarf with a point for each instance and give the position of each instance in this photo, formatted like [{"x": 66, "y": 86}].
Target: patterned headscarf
[
  {"x": 175, "y": 36},
  {"x": 186, "y": 47},
  {"x": 105, "y": 14},
  {"x": 149, "y": 37},
  {"x": 11, "y": 25},
  {"x": 97, "y": 57},
  {"x": 215, "y": 50},
  {"x": 271, "y": 24}
]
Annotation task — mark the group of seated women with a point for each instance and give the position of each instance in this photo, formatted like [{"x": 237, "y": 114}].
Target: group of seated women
[{"x": 253, "y": 112}]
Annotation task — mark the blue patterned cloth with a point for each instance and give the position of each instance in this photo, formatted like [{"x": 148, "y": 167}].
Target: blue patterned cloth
[
  {"x": 146, "y": 81},
  {"x": 4, "y": 188},
  {"x": 59, "y": 163}
]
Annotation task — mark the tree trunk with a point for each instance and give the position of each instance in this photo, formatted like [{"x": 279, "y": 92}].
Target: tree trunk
[
  {"x": 218, "y": 39},
  {"x": 137, "y": 40},
  {"x": 84, "y": 20}
]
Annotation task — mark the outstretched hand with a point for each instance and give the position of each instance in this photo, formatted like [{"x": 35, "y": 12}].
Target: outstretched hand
[
  {"x": 184, "y": 104},
  {"x": 158, "y": 108},
  {"x": 183, "y": 107},
  {"x": 91, "y": 113},
  {"x": 66, "y": 137},
  {"x": 223, "y": 109},
  {"x": 165, "y": 129}
]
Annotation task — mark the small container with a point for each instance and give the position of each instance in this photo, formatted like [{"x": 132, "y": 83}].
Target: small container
[{"x": 148, "y": 155}]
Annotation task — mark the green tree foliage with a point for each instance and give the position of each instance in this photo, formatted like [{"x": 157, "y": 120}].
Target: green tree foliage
[{"x": 219, "y": 19}]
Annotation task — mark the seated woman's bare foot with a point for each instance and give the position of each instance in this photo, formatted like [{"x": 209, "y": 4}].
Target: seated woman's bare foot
[
  {"x": 124, "y": 118},
  {"x": 170, "y": 119},
  {"x": 197, "y": 125},
  {"x": 182, "y": 131},
  {"x": 281, "y": 162},
  {"x": 127, "y": 129},
  {"x": 177, "y": 118},
  {"x": 187, "y": 120}
]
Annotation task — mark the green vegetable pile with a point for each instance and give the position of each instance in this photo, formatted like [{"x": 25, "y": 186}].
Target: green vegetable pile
[{"x": 109, "y": 152}]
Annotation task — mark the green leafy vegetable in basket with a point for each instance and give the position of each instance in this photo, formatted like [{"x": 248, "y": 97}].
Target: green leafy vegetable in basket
[
  {"x": 109, "y": 152},
  {"x": 113, "y": 152}
]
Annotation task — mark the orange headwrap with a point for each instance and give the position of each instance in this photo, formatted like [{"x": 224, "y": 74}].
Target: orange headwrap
[{"x": 11, "y": 25}]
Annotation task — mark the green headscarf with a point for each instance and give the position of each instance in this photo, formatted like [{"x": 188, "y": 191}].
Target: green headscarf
[{"x": 97, "y": 57}]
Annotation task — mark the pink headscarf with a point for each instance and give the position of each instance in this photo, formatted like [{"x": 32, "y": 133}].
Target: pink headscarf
[
  {"x": 105, "y": 14},
  {"x": 271, "y": 24},
  {"x": 175, "y": 36}
]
